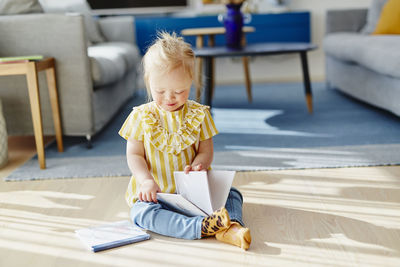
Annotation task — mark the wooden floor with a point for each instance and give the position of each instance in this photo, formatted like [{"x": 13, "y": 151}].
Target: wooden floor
[{"x": 315, "y": 217}]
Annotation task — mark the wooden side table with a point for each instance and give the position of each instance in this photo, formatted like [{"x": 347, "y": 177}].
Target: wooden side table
[
  {"x": 211, "y": 32},
  {"x": 30, "y": 70}
]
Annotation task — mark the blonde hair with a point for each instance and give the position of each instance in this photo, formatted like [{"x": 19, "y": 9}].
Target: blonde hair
[{"x": 168, "y": 52}]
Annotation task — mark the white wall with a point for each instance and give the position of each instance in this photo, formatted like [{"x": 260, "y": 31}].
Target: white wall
[{"x": 287, "y": 67}]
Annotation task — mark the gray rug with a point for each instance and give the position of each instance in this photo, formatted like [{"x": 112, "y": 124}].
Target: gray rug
[{"x": 274, "y": 132}]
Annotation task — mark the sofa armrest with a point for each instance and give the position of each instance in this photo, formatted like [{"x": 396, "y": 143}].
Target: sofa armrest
[
  {"x": 118, "y": 29},
  {"x": 345, "y": 20}
]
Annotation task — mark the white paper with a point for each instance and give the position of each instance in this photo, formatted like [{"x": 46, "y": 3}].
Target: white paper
[
  {"x": 182, "y": 204},
  {"x": 194, "y": 187},
  {"x": 199, "y": 193},
  {"x": 220, "y": 183}
]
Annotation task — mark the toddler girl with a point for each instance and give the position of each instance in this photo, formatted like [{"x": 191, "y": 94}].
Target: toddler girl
[{"x": 169, "y": 134}]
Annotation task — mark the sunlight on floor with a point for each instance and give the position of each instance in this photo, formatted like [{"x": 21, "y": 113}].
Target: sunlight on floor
[
  {"x": 40, "y": 199},
  {"x": 53, "y": 236},
  {"x": 328, "y": 217},
  {"x": 252, "y": 121},
  {"x": 258, "y": 158}
]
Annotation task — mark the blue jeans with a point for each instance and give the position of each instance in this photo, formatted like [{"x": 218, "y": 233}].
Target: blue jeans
[{"x": 165, "y": 220}]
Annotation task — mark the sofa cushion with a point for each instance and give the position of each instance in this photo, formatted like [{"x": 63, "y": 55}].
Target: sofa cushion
[
  {"x": 389, "y": 21},
  {"x": 13, "y": 7},
  {"x": 111, "y": 60},
  {"x": 76, "y": 6},
  {"x": 379, "y": 53},
  {"x": 374, "y": 12}
]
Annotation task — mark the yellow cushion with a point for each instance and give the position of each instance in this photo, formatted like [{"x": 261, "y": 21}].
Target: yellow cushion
[{"x": 389, "y": 20}]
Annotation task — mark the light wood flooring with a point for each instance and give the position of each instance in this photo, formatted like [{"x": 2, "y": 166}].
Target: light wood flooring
[{"x": 313, "y": 217}]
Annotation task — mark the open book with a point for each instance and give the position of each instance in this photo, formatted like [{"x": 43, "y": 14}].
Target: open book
[
  {"x": 199, "y": 193},
  {"x": 111, "y": 235}
]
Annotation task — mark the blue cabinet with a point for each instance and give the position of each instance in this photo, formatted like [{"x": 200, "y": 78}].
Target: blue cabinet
[{"x": 279, "y": 27}]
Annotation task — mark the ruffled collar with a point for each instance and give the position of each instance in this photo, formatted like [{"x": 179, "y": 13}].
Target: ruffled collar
[{"x": 187, "y": 121}]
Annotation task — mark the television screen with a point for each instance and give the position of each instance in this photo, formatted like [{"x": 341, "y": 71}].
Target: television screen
[{"x": 136, "y": 6}]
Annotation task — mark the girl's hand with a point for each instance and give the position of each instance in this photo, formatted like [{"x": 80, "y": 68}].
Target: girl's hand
[
  {"x": 148, "y": 191},
  {"x": 198, "y": 167}
]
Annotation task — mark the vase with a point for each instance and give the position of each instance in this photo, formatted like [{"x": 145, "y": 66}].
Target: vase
[{"x": 233, "y": 22}]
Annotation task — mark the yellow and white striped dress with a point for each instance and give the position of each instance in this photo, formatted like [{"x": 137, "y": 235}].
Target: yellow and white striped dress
[{"x": 171, "y": 140}]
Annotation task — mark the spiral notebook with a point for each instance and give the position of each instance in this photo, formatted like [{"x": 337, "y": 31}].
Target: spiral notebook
[{"x": 111, "y": 235}]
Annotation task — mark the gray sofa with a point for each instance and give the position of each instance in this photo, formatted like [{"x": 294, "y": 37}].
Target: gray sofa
[
  {"x": 364, "y": 66},
  {"x": 94, "y": 80}
]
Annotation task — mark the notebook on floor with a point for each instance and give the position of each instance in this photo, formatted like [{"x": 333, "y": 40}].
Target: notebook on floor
[{"x": 111, "y": 235}]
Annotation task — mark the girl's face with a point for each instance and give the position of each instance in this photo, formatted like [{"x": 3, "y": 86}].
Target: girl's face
[{"x": 170, "y": 90}]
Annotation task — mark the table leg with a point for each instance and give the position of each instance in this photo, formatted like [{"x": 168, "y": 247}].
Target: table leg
[
  {"x": 199, "y": 68},
  {"x": 208, "y": 71},
  {"x": 245, "y": 61},
  {"x": 306, "y": 78},
  {"x": 34, "y": 99},
  {"x": 51, "y": 84},
  {"x": 211, "y": 43}
]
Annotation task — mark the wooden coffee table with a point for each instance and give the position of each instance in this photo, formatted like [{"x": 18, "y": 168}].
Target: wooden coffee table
[
  {"x": 200, "y": 33},
  {"x": 258, "y": 49}
]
